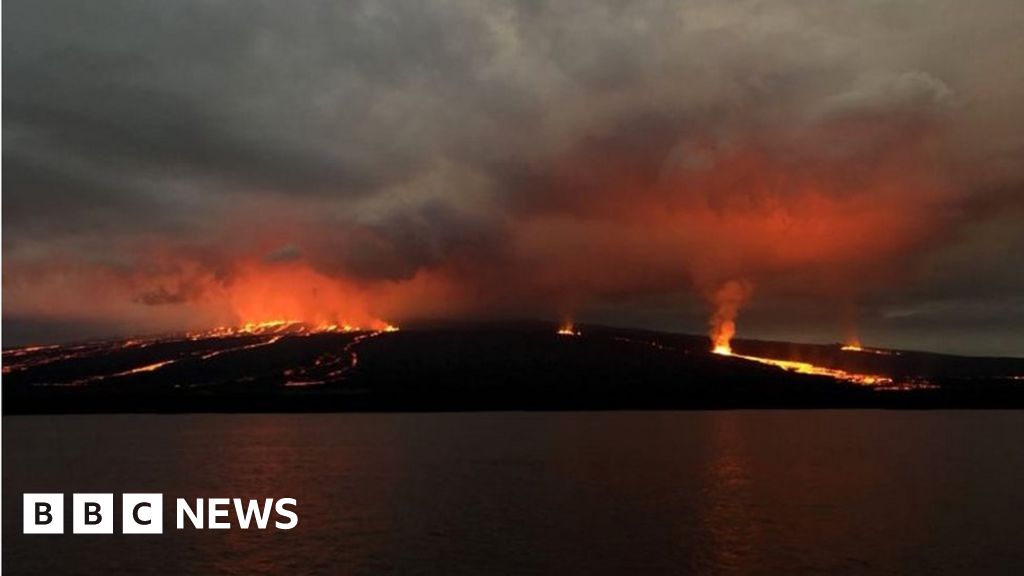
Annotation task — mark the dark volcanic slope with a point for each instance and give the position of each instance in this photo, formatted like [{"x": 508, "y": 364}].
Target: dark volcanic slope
[{"x": 521, "y": 366}]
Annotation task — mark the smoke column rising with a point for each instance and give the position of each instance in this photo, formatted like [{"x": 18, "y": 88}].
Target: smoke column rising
[{"x": 727, "y": 301}]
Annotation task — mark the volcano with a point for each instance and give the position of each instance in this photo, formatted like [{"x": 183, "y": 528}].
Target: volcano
[{"x": 294, "y": 367}]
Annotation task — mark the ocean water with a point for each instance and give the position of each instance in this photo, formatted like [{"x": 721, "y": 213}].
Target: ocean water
[{"x": 733, "y": 492}]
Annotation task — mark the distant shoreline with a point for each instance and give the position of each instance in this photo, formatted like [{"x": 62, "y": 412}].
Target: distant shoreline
[
  {"x": 520, "y": 367},
  {"x": 320, "y": 403}
]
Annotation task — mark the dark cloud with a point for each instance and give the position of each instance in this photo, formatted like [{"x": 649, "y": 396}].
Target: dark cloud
[
  {"x": 527, "y": 157},
  {"x": 163, "y": 295},
  {"x": 287, "y": 253}
]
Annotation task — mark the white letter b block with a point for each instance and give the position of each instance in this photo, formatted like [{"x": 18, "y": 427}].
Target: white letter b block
[
  {"x": 43, "y": 513},
  {"x": 92, "y": 513}
]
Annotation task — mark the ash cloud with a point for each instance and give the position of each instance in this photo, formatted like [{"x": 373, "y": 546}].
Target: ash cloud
[{"x": 530, "y": 158}]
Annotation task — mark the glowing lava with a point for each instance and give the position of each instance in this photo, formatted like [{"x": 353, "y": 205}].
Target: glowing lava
[
  {"x": 723, "y": 349},
  {"x": 567, "y": 329},
  {"x": 207, "y": 345},
  {"x": 293, "y": 327},
  {"x": 859, "y": 348},
  {"x": 808, "y": 368},
  {"x": 727, "y": 301}
]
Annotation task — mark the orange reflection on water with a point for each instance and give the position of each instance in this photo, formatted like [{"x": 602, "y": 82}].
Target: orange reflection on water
[{"x": 728, "y": 502}]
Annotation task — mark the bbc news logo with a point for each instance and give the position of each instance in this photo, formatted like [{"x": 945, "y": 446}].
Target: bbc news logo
[{"x": 144, "y": 513}]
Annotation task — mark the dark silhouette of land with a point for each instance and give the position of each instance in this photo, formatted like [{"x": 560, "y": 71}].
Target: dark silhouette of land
[{"x": 451, "y": 367}]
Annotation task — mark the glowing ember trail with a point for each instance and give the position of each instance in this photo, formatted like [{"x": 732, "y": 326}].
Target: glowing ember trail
[
  {"x": 808, "y": 368},
  {"x": 859, "y": 348},
  {"x": 209, "y": 344},
  {"x": 727, "y": 301},
  {"x": 147, "y": 368},
  {"x": 216, "y": 353}
]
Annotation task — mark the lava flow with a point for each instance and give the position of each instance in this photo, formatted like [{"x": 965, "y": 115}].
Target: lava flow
[
  {"x": 227, "y": 348},
  {"x": 858, "y": 348},
  {"x": 295, "y": 327},
  {"x": 808, "y": 368},
  {"x": 728, "y": 299}
]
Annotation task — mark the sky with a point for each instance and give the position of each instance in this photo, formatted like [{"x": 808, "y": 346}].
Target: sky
[{"x": 812, "y": 171}]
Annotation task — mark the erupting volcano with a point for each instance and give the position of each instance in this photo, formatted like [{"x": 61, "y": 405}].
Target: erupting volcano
[
  {"x": 568, "y": 329},
  {"x": 727, "y": 300},
  {"x": 281, "y": 365}
]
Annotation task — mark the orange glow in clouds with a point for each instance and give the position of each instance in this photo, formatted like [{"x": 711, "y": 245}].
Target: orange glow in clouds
[
  {"x": 613, "y": 224},
  {"x": 262, "y": 293}
]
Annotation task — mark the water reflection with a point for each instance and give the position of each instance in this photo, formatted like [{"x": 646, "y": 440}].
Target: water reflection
[
  {"x": 342, "y": 481},
  {"x": 595, "y": 493},
  {"x": 727, "y": 506}
]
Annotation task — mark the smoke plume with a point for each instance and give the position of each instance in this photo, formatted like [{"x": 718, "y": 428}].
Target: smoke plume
[
  {"x": 727, "y": 300},
  {"x": 187, "y": 164}
]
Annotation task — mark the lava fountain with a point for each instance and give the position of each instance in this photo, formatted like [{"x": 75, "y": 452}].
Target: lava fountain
[
  {"x": 568, "y": 329},
  {"x": 727, "y": 301}
]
